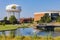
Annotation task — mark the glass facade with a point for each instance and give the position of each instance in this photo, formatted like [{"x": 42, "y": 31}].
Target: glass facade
[{"x": 54, "y": 16}]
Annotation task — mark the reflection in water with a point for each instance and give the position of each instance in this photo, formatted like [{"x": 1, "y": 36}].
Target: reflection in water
[
  {"x": 30, "y": 32},
  {"x": 7, "y": 32}
]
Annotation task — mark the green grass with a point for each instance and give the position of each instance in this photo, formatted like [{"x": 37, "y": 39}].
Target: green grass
[
  {"x": 12, "y": 27},
  {"x": 8, "y": 27}
]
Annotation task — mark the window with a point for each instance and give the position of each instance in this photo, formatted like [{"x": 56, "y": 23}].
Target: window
[{"x": 54, "y": 16}]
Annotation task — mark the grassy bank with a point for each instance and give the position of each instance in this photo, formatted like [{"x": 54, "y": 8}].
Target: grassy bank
[
  {"x": 8, "y": 27},
  {"x": 13, "y": 27}
]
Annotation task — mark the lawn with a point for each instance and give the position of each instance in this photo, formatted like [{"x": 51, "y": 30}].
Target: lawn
[
  {"x": 13, "y": 27},
  {"x": 8, "y": 27}
]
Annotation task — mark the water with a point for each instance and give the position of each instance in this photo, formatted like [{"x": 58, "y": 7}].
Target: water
[{"x": 32, "y": 31}]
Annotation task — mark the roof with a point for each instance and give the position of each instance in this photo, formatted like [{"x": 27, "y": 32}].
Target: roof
[{"x": 51, "y": 11}]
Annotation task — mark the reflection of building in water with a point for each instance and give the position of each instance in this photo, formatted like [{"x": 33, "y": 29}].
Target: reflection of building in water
[{"x": 52, "y": 14}]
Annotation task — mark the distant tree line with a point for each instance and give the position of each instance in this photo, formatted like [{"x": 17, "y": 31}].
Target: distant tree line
[{"x": 12, "y": 20}]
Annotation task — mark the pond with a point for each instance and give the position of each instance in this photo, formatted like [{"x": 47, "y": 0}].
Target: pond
[{"x": 31, "y": 32}]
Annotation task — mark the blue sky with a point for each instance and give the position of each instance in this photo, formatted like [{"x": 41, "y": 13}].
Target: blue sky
[{"x": 29, "y": 7}]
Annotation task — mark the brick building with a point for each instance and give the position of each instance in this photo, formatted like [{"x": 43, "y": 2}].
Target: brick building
[
  {"x": 52, "y": 14},
  {"x": 26, "y": 20}
]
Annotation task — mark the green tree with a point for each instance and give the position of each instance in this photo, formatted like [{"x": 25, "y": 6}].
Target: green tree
[
  {"x": 58, "y": 19},
  {"x": 5, "y": 18},
  {"x": 32, "y": 20},
  {"x": 0, "y": 23},
  {"x": 45, "y": 19},
  {"x": 38, "y": 21},
  {"x": 3, "y": 23},
  {"x": 12, "y": 19}
]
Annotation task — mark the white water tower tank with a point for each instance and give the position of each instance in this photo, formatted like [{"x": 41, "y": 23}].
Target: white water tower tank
[{"x": 13, "y": 9}]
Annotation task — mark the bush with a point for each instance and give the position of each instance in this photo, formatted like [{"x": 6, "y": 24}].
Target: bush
[
  {"x": 3, "y": 23},
  {"x": 0, "y": 23}
]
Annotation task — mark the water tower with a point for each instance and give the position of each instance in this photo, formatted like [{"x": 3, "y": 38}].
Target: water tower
[{"x": 13, "y": 9}]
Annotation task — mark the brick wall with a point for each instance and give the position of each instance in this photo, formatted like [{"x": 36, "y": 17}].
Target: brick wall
[{"x": 38, "y": 16}]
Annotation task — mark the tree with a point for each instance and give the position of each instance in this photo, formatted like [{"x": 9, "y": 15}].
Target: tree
[
  {"x": 38, "y": 21},
  {"x": 45, "y": 19},
  {"x": 58, "y": 19},
  {"x": 0, "y": 23},
  {"x": 5, "y": 18},
  {"x": 31, "y": 20},
  {"x": 12, "y": 19},
  {"x": 3, "y": 23}
]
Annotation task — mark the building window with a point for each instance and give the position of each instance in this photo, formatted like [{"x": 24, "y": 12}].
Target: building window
[{"x": 54, "y": 16}]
